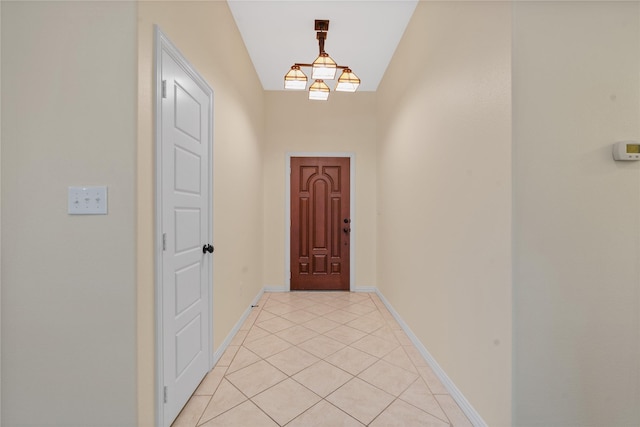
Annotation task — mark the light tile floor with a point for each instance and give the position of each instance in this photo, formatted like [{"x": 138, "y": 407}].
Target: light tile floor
[{"x": 312, "y": 359}]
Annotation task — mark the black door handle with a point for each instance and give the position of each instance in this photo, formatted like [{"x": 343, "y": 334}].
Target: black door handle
[{"x": 207, "y": 248}]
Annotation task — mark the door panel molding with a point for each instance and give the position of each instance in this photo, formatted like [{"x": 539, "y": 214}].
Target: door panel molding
[
  {"x": 352, "y": 211},
  {"x": 164, "y": 46}
]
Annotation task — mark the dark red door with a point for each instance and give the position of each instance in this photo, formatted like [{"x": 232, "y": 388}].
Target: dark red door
[{"x": 320, "y": 223}]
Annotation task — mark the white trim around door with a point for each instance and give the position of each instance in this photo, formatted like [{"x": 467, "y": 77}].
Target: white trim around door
[{"x": 287, "y": 213}]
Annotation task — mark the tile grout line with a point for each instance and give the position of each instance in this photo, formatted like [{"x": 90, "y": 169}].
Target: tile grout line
[
  {"x": 385, "y": 318},
  {"x": 249, "y": 399},
  {"x": 210, "y": 397},
  {"x": 379, "y": 358},
  {"x": 418, "y": 376}
]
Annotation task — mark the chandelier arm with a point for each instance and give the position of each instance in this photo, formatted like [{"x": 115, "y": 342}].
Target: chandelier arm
[{"x": 342, "y": 67}]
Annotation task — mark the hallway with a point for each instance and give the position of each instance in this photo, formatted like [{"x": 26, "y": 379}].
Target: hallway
[{"x": 321, "y": 359}]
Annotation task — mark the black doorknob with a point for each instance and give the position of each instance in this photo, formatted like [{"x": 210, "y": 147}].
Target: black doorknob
[{"x": 207, "y": 248}]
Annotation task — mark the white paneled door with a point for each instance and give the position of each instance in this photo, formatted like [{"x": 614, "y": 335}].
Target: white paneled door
[{"x": 186, "y": 103}]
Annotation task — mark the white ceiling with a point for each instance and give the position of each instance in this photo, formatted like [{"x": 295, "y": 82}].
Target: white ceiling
[{"x": 363, "y": 34}]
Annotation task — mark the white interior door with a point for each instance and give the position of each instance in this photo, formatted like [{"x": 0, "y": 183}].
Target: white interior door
[{"x": 186, "y": 103}]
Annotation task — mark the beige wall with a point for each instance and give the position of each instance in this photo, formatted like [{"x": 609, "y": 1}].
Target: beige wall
[
  {"x": 206, "y": 34},
  {"x": 345, "y": 123},
  {"x": 444, "y": 194},
  {"x": 576, "y": 214},
  {"x": 68, "y": 303}
]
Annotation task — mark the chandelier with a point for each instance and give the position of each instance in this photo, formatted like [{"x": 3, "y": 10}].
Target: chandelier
[{"x": 323, "y": 68}]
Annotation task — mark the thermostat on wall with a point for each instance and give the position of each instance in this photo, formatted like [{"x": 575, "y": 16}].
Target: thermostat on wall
[{"x": 626, "y": 150}]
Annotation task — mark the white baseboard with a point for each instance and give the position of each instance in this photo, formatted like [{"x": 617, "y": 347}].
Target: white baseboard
[
  {"x": 220, "y": 351},
  {"x": 370, "y": 289},
  {"x": 455, "y": 393},
  {"x": 275, "y": 289}
]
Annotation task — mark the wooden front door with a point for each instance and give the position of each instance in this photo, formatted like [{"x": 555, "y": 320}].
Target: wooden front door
[{"x": 320, "y": 223}]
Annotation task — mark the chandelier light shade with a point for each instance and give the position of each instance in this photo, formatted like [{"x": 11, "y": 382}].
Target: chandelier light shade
[
  {"x": 323, "y": 68},
  {"x": 295, "y": 79},
  {"x": 319, "y": 91},
  {"x": 348, "y": 81}
]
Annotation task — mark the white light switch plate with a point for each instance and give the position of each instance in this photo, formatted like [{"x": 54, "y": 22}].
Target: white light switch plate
[{"x": 88, "y": 200}]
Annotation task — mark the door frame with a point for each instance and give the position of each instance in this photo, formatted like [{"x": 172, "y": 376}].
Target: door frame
[
  {"x": 162, "y": 43},
  {"x": 352, "y": 213}
]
